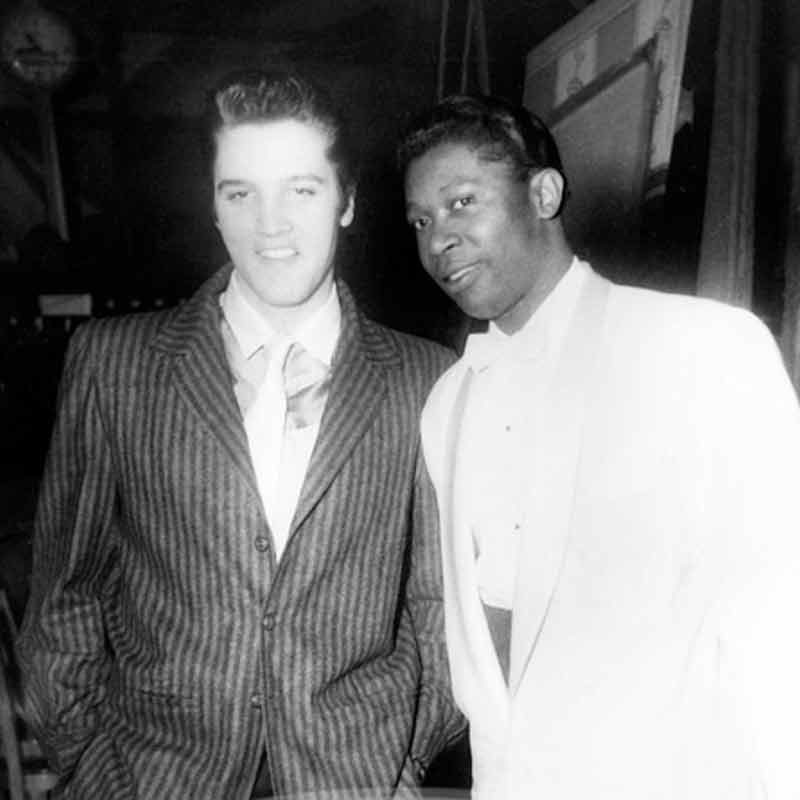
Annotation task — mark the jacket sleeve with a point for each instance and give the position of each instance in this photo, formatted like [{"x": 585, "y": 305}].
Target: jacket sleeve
[
  {"x": 758, "y": 465},
  {"x": 438, "y": 721},
  {"x": 62, "y": 642}
]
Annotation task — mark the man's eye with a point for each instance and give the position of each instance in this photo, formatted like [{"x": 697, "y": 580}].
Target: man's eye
[
  {"x": 419, "y": 223},
  {"x": 306, "y": 191},
  {"x": 237, "y": 195},
  {"x": 461, "y": 202}
]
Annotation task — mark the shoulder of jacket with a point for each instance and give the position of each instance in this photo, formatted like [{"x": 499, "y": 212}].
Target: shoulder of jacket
[
  {"x": 684, "y": 315},
  {"x": 413, "y": 354},
  {"x": 419, "y": 348},
  {"x": 103, "y": 339}
]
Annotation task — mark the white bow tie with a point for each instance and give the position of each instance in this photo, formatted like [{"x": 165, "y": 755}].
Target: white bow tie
[{"x": 484, "y": 349}]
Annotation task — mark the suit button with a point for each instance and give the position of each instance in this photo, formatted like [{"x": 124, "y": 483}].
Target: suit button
[
  {"x": 261, "y": 543},
  {"x": 268, "y": 621},
  {"x": 255, "y": 700}
]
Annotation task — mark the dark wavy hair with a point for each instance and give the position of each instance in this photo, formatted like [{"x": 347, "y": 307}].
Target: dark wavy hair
[
  {"x": 499, "y": 130},
  {"x": 254, "y": 96}
]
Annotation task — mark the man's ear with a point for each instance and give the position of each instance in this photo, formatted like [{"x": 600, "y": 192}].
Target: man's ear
[
  {"x": 546, "y": 192},
  {"x": 349, "y": 210}
]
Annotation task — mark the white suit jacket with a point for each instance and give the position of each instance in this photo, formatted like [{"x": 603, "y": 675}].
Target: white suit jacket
[{"x": 655, "y": 644}]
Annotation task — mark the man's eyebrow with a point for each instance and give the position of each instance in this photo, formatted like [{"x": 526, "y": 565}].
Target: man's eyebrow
[
  {"x": 456, "y": 183},
  {"x": 227, "y": 182},
  {"x": 300, "y": 176},
  {"x": 307, "y": 176}
]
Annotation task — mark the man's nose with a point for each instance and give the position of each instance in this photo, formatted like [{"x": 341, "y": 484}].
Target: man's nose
[
  {"x": 271, "y": 217},
  {"x": 442, "y": 238}
]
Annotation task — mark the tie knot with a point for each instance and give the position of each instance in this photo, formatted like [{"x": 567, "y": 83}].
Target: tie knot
[
  {"x": 305, "y": 380},
  {"x": 485, "y": 349}
]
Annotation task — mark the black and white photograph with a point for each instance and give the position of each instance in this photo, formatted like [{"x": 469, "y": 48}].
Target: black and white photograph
[{"x": 399, "y": 399}]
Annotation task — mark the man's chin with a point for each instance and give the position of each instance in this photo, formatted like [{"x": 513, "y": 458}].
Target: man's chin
[{"x": 475, "y": 309}]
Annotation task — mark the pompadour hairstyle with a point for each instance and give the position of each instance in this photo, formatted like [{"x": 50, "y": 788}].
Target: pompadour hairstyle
[
  {"x": 500, "y": 130},
  {"x": 255, "y": 96}
]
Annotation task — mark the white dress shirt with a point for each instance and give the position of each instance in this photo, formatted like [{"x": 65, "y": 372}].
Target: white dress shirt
[
  {"x": 511, "y": 377},
  {"x": 256, "y": 352}
]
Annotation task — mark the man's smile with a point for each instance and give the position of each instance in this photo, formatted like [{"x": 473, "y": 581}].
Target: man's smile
[
  {"x": 276, "y": 253},
  {"x": 458, "y": 276}
]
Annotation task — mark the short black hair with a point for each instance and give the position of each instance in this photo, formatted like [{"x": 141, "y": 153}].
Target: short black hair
[
  {"x": 500, "y": 130},
  {"x": 253, "y": 96}
]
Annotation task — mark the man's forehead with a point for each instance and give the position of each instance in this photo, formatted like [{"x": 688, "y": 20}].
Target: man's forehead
[
  {"x": 451, "y": 164},
  {"x": 280, "y": 147},
  {"x": 285, "y": 129}
]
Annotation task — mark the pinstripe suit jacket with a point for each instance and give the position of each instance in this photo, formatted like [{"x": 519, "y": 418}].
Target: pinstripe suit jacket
[{"x": 164, "y": 646}]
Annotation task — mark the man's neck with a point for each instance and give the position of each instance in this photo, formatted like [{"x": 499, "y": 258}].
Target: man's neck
[
  {"x": 549, "y": 273},
  {"x": 287, "y": 320}
]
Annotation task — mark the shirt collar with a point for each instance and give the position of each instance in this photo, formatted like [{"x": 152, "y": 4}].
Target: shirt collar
[
  {"x": 543, "y": 332},
  {"x": 318, "y": 334}
]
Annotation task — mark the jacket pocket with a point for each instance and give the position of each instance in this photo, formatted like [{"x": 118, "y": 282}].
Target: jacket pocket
[
  {"x": 155, "y": 689},
  {"x": 356, "y": 689}
]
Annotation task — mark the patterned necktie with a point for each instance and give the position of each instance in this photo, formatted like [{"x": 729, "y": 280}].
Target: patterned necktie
[{"x": 306, "y": 381}]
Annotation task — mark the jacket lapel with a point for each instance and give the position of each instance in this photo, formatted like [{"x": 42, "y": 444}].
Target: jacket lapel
[
  {"x": 356, "y": 393},
  {"x": 472, "y": 650},
  {"x": 193, "y": 341},
  {"x": 556, "y": 446}
]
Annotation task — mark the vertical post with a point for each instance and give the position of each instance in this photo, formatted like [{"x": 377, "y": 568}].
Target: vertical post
[
  {"x": 482, "y": 48},
  {"x": 467, "y": 45},
  {"x": 54, "y": 186},
  {"x": 442, "y": 66},
  {"x": 726, "y": 250}
]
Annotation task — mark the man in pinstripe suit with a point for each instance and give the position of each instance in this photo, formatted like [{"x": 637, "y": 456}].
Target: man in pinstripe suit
[{"x": 226, "y": 601}]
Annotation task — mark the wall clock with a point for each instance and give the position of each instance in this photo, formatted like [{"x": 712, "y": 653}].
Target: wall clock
[{"x": 37, "y": 45}]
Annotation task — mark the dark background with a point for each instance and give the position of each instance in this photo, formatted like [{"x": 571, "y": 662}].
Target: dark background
[{"x": 137, "y": 193}]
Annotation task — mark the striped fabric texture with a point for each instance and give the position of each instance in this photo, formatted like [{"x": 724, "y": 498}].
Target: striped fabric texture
[{"x": 164, "y": 648}]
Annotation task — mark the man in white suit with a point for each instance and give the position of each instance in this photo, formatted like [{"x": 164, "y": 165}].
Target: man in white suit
[{"x": 616, "y": 471}]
